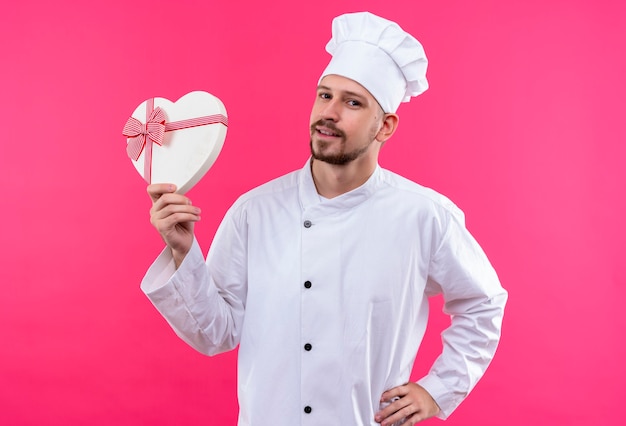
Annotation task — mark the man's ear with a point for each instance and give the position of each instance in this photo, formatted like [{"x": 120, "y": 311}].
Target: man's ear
[{"x": 389, "y": 126}]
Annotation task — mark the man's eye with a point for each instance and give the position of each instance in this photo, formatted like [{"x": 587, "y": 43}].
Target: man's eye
[
  {"x": 354, "y": 103},
  {"x": 324, "y": 95}
]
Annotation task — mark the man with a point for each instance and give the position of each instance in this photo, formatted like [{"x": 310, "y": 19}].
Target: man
[{"x": 322, "y": 276}]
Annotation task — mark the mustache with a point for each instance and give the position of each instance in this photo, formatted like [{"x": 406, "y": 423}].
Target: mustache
[{"x": 329, "y": 125}]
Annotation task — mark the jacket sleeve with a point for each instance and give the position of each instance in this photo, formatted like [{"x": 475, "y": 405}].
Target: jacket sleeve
[
  {"x": 204, "y": 302},
  {"x": 475, "y": 300}
]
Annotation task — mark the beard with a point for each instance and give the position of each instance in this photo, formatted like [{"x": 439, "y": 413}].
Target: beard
[{"x": 343, "y": 157}]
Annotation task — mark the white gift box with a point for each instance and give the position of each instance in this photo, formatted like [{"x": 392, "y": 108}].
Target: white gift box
[{"x": 176, "y": 142}]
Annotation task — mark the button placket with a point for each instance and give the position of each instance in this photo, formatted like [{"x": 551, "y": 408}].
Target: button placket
[{"x": 314, "y": 243}]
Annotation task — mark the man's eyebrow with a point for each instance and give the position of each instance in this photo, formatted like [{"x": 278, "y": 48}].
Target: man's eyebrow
[
  {"x": 355, "y": 94},
  {"x": 344, "y": 92}
]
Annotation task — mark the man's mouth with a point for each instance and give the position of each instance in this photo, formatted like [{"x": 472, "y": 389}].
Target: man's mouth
[
  {"x": 326, "y": 132},
  {"x": 327, "y": 129}
]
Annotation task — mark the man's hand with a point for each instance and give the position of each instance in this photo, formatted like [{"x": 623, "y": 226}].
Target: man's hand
[
  {"x": 410, "y": 402},
  {"x": 173, "y": 216}
]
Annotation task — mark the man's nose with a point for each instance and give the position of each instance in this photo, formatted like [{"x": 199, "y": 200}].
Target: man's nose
[{"x": 330, "y": 111}]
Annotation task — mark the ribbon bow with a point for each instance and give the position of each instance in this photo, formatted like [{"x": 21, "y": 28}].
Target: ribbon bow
[{"x": 140, "y": 133}]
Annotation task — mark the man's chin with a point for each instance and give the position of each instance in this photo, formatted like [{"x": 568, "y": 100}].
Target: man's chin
[
  {"x": 320, "y": 152},
  {"x": 337, "y": 160}
]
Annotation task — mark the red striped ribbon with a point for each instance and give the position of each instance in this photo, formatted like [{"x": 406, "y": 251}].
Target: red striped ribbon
[
  {"x": 143, "y": 135},
  {"x": 194, "y": 122}
]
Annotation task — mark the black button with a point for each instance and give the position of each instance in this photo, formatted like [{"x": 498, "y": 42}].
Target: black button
[
  {"x": 308, "y": 347},
  {"x": 307, "y": 223},
  {"x": 307, "y": 409},
  {"x": 307, "y": 284}
]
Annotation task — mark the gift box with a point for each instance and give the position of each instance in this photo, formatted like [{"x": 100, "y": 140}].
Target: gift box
[{"x": 176, "y": 142}]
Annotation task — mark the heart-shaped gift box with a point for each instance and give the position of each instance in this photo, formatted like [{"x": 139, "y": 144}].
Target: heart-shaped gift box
[{"x": 176, "y": 142}]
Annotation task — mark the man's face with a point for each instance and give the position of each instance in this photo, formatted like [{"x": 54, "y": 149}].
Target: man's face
[{"x": 345, "y": 120}]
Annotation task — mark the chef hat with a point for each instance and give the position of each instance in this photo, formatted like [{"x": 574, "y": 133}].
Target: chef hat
[{"x": 379, "y": 55}]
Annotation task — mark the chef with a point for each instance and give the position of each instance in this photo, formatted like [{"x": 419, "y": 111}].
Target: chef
[{"x": 322, "y": 276}]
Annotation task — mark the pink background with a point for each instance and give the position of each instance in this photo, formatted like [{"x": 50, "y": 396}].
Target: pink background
[{"x": 523, "y": 128}]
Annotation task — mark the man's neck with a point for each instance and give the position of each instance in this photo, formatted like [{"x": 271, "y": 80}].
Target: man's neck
[{"x": 332, "y": 180}]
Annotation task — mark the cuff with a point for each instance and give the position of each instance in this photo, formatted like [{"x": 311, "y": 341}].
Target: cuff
[
  {"x": 445, "y": 399},
  {"x": 163, "y": 269}
]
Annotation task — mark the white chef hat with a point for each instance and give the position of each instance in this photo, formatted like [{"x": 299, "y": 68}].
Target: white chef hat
[{"x": 376, "y": 53}]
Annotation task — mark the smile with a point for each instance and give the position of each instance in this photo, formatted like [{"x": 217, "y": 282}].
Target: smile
[{"x": 326, "y": 132}]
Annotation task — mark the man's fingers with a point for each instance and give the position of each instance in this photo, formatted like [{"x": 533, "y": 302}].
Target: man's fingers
[
  {"x": 163, "y": 207},
  {"x": 411, "y": 414},
  {"x": 396, "y": 392},
  {"x": 168, "y": 200},
  {"x": 387, "y": 413},
  {"x": 156, "y": 190},
  {"x": 408, "y": 403},
  {"x": 167, "y": 225},
  {"x": 414, "y": 419},
  {"x": 173, "y": 214}
]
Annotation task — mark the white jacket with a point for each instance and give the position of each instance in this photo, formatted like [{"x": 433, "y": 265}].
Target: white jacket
[{"x": 327, "y": 299}]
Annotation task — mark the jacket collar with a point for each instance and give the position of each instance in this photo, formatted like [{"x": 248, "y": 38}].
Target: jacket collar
[{"x": 309, "y": 197}]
